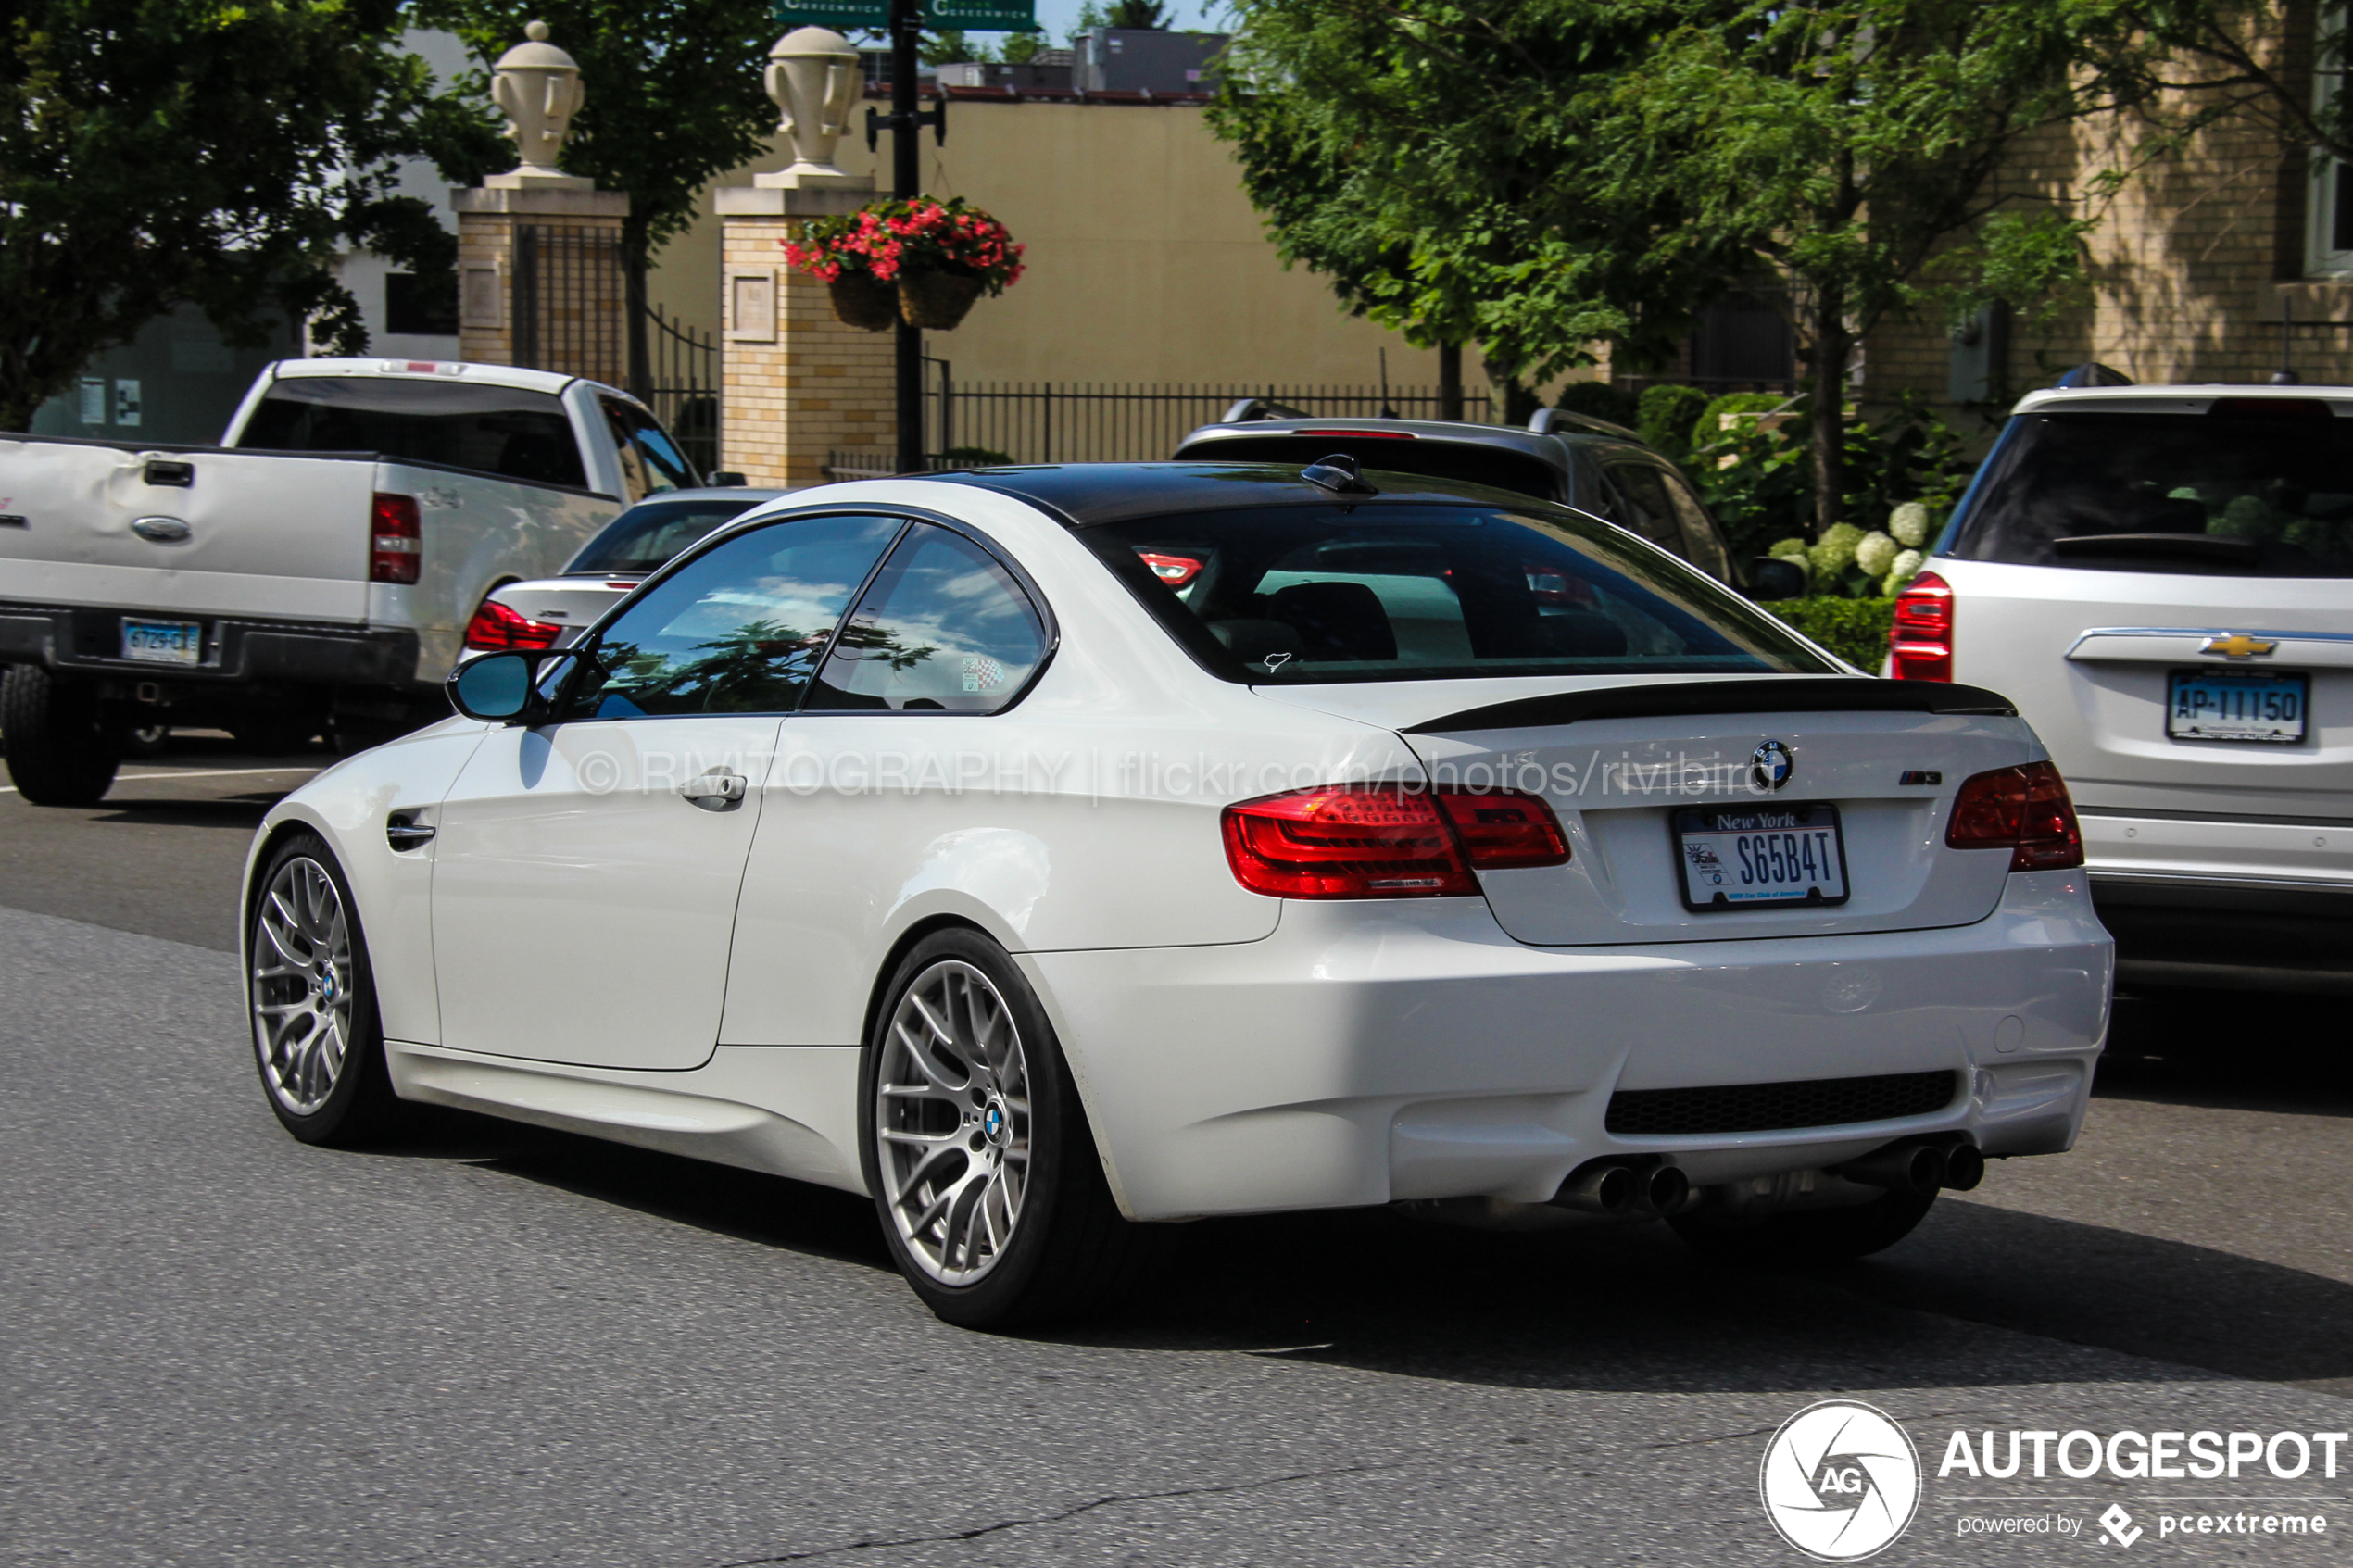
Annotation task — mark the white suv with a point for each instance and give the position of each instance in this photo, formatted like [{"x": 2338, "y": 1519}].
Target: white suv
[{"x": 2161, "y": 578}]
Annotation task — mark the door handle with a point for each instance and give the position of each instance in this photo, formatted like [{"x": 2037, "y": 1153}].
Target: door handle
[{"x": 715, "y": 792}]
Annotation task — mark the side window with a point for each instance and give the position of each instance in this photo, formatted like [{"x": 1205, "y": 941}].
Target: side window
[
  {"x": 737, "y": 631},
  {"x": 650, "y": 461},
  {"x": 1652, "y": 511},
  {"x": 944, "y": 629},
  {"x": 1703, "y": 546}
]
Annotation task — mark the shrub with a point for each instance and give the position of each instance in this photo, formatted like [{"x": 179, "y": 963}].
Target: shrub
[
  {"x": 1855, "y": 629},
  {"x": 1665, "y": 416},
  {"x": 1906, "y": 567},
  {"x": 1708, "y": 427},
  {"x": 1599, "y": 400}
]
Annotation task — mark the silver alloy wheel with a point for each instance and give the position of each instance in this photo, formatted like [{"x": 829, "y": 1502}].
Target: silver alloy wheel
[
  {"x": 302, "y": 986},
  {"x": 952, "y": 1122}
]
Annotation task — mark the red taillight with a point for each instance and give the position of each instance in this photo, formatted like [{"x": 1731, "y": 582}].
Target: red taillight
[
  {"x": 1386, "y": 841},
  {"x": 2025, "y": 810},
  {"x": 1920, "y": 644},
  {"x": 1174, "y": 571},
  {"x": 498, "y": 626},
  {"x": 397, "y": 546}
]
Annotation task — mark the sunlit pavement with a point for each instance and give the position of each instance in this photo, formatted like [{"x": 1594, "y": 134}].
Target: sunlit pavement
[{"x": 501, "y": 1345}]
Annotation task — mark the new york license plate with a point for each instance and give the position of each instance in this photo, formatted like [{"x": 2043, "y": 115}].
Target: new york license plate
[
  {"x": 1748, "y": 857},
  {"x": 2257, "y": 705},
  {"x": 163, "y": 642}
]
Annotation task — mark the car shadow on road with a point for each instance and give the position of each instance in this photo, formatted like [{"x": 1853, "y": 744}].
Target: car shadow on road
[
  {"x": 2231, "y": 1050},
  {"x": 1605, "y": 1307},
  {"x": 243, "y": 812}
]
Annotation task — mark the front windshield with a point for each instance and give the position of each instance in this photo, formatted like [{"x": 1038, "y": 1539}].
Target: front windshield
[
  {"x": 1298, "y": 595},
  {"x": 2261, "y": 487},
  {"x": 644, "y": 538}
]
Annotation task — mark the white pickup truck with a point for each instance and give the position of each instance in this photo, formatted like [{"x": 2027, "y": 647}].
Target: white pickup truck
[{"x": 316, "y": 570}]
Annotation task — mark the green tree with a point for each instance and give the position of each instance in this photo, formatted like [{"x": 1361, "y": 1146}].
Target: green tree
[
  {"x": 674, "y": 96},
  {"x": 1543, "y": 175},
  {"x": 161, "y": 153}
]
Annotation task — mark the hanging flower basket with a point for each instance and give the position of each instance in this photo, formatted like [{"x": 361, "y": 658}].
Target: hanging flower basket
[
  {"x": 936, "y": 301},
  {"x": 863, "y": 301},
  {"x": 938, "y": 257}
]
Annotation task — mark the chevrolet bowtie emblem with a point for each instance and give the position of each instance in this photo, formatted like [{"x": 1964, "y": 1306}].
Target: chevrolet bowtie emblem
[{"x": 2238, "y": 644}]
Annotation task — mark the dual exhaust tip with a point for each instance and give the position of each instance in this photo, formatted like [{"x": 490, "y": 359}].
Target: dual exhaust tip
[
  {"x": 1921, "y": 1167},
  {"x": 1619, "y": 1189},
  {"x": 1623, "y": 1189}
]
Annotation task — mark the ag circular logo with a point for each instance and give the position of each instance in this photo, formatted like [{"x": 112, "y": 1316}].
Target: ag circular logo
[
  {"x": 1770, "y": 765},
  {"x": 1840, "y": 1481}
]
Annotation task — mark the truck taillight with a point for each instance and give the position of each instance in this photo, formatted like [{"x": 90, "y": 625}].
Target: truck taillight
[
  {"x": 1919, "y": 644},
  {"x": 396, "y": 545},
  {"x": 1386, "y": 841},
  {"x": 2025, "y": 810},
  {"x": 500, "y": 626}
]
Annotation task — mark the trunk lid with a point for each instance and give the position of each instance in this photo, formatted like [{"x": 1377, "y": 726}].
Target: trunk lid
[{"x": 1617, "y": 762}]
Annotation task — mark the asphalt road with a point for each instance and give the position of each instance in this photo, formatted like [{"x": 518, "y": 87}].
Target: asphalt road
[{"x": 500, "y": 1345}]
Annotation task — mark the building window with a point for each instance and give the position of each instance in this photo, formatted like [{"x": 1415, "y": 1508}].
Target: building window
[
  {"x": 2328, "y": 250},
  {"x": 421, "y": 306}
]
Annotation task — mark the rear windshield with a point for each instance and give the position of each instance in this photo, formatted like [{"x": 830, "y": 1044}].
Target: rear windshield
[
  {"x": 1298, "y": 595},
  {"x": 494, "y": 430},
  {"x": 2262, "y": 489},
  {"x": 644, "y": 538},
  {"x": 1471, "y": 462}
]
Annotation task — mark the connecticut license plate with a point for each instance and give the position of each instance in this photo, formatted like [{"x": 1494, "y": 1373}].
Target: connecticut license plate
[
  {"x": 2257, "y": 705},
  {"x": 163, "y": 642},
  {"x": 1749, "y": 858}
]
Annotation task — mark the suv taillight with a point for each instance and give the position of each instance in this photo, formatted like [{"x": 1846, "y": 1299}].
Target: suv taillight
[
  {"x": 396, "y": 543},
  {"x": 1386, "y": 841},
  {"x": 498, "y": 626},
  {"x": 1920, "y": 644},
  {"x": 2023, "y": 809}
]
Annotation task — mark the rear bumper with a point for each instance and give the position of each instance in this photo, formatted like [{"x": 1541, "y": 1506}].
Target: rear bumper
[
  {"x": 2233, "y": 905},
  {"x": 237, "y": 650},
  {"x": 1367, "y": 1053}
]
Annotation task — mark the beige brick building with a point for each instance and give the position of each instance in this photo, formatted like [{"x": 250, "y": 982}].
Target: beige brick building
[{"x": 2192, "y": 265}]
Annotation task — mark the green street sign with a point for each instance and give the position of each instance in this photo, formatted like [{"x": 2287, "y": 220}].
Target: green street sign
[{"x": 971, "y": 16}]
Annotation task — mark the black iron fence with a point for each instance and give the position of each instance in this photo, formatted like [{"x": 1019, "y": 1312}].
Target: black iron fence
[
  {"x": 567, "y": 306},
  {"x": 966, "y": 423},
  {"x": 682, "y": 386}
]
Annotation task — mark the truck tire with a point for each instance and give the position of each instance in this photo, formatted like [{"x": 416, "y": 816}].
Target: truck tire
[{"x": 56, "y": 743}]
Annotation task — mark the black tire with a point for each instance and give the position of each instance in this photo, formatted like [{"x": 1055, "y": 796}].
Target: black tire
[
  {"x": 1810, "y": 1236},
  {"x": 357, "y": 1106},
  {"x": 59, "y": 751},
  {"x": 1069, "y": 1253}
]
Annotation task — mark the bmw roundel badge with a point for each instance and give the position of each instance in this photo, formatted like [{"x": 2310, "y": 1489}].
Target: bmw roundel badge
[{"x": 1770, "y": 765}]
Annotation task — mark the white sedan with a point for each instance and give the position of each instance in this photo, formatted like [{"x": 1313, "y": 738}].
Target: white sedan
[{"x": 1408, "y": 843}]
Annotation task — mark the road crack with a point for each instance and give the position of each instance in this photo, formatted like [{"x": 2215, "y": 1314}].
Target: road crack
[{"x": 1090, "y": 1506}]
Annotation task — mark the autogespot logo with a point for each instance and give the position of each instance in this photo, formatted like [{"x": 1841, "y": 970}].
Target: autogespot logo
[{"x": 1840, "y": 1481}]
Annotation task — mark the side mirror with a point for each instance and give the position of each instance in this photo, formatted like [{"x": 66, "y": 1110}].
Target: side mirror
[
  {"x": 1775, "y": 577},
  {"x": 515, "y": 686}
]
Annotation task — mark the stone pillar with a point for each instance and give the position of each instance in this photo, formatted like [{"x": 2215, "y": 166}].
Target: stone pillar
[
  {"x": 576, "y": 321},
  {"x": 794, "y": 383}
]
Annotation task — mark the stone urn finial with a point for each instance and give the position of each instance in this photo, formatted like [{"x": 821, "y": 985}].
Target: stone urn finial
[
  {"x": 537, "y": 87},
  {"x": 815, "y": 77}
]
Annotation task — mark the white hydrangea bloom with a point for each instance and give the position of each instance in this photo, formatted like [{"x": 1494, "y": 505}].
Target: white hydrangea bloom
[
  {"x": 1875, "y": 552},
  {"x": 1908, "y": 522},
  {"x": 1906, "y": 567}
]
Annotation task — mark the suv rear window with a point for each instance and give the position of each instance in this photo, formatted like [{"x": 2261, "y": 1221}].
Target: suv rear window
[
  {"x": 2263, "y": 487},
  {"x": 496, "y": 430},
  {"x": 1299, "y": 595}
]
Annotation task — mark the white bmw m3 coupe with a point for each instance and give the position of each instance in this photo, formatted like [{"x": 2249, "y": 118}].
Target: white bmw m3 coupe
[{"x": 1048, "y": 852}]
